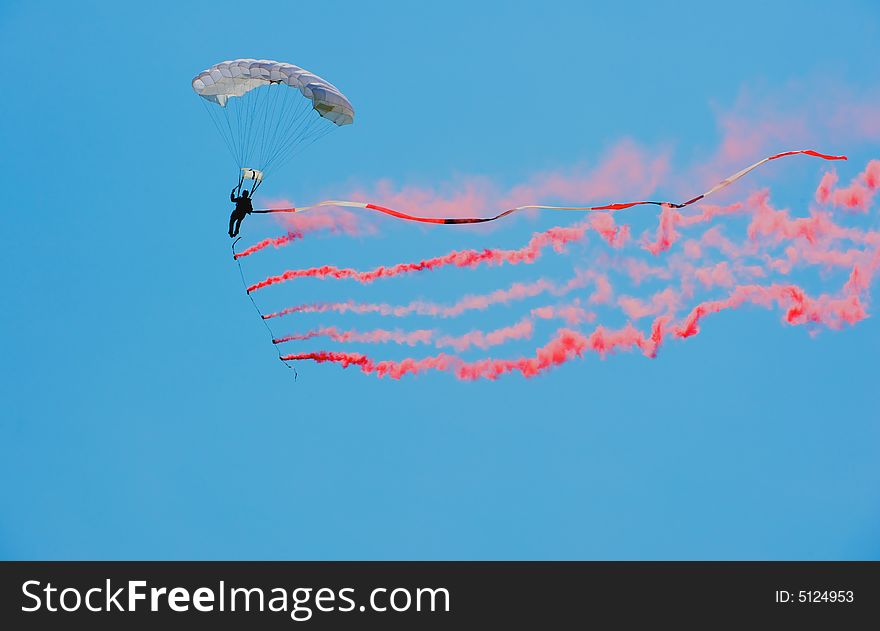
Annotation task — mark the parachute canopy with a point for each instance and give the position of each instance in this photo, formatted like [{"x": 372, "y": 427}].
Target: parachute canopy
[{"x": 268, "y": 110}]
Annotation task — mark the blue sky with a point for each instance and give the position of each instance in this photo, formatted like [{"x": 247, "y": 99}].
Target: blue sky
[{"x": 144, "y": 414}]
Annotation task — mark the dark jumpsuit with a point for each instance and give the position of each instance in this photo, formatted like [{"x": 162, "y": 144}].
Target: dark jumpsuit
[{"x": 243, "y": 207}]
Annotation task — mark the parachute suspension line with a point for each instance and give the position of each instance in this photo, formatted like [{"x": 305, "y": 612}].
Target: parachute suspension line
[
  {"x": 269, "y": 128},
  {"x": 260, "y": 313},
  {"x": 275, "y": 122},
  {"x": 305, "y": 142},
  {"x": 282, "y": 116},
  {"x": 295, "y": 126},
  {"x": 244, "y": 108},
  {"x": 241, "y": 122},
  {"x": 265, "y": 136},
  {"x": 260, "y": 132},
  {"x": 306, "y": 131},
  {"x": 283, "y": 119},
  {"x": 266, "y": 130},
  {"x": 214, "y": 120},
  {"x": 311, "y": 132},
  {"x": 231, "y": 134},
  {"x": 254, "y": 97}
]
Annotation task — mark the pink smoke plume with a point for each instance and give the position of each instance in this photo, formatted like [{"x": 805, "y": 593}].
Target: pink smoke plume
[
  {"x": 857, "y": 195},
  {"x": 333, "y": 220},
  {"x": 625, "y": 169},
  {"x": 803, "y": 112}
]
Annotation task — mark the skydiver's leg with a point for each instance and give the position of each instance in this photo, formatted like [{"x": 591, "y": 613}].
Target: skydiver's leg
[
  {"x": 231, "y": 221},
  {"x": 238, "y": 221}
]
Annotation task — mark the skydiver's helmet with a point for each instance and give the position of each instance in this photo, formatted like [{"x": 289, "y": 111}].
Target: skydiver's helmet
[{"x": 245, "y": 193}]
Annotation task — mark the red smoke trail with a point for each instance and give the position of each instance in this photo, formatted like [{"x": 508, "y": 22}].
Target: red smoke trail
[
  {"x": 275, "y": 241},
  {"x": 519, "y": 331},
  {"x": 799, "y": 308},
  {"x": 376, "y": 336},
  {"x": 573, "y": 314},
  {"x": 516, "y": 291},
  {"x": 566, "y": 345},
  {"x": 569, "y": 344},
  {"x": 557, "y": 238},
  {"x": 522, "y": 330},
  {"x": 464, "y": 258}
]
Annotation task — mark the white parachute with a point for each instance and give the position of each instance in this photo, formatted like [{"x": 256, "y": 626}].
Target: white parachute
[{"x": 267, "y": 111}]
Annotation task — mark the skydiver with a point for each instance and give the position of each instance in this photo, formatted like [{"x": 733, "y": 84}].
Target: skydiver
[{"x": 243, "y": 207}]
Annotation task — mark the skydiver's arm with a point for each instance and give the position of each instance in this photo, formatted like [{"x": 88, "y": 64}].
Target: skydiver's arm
[{"x": 232, "y": 195}]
